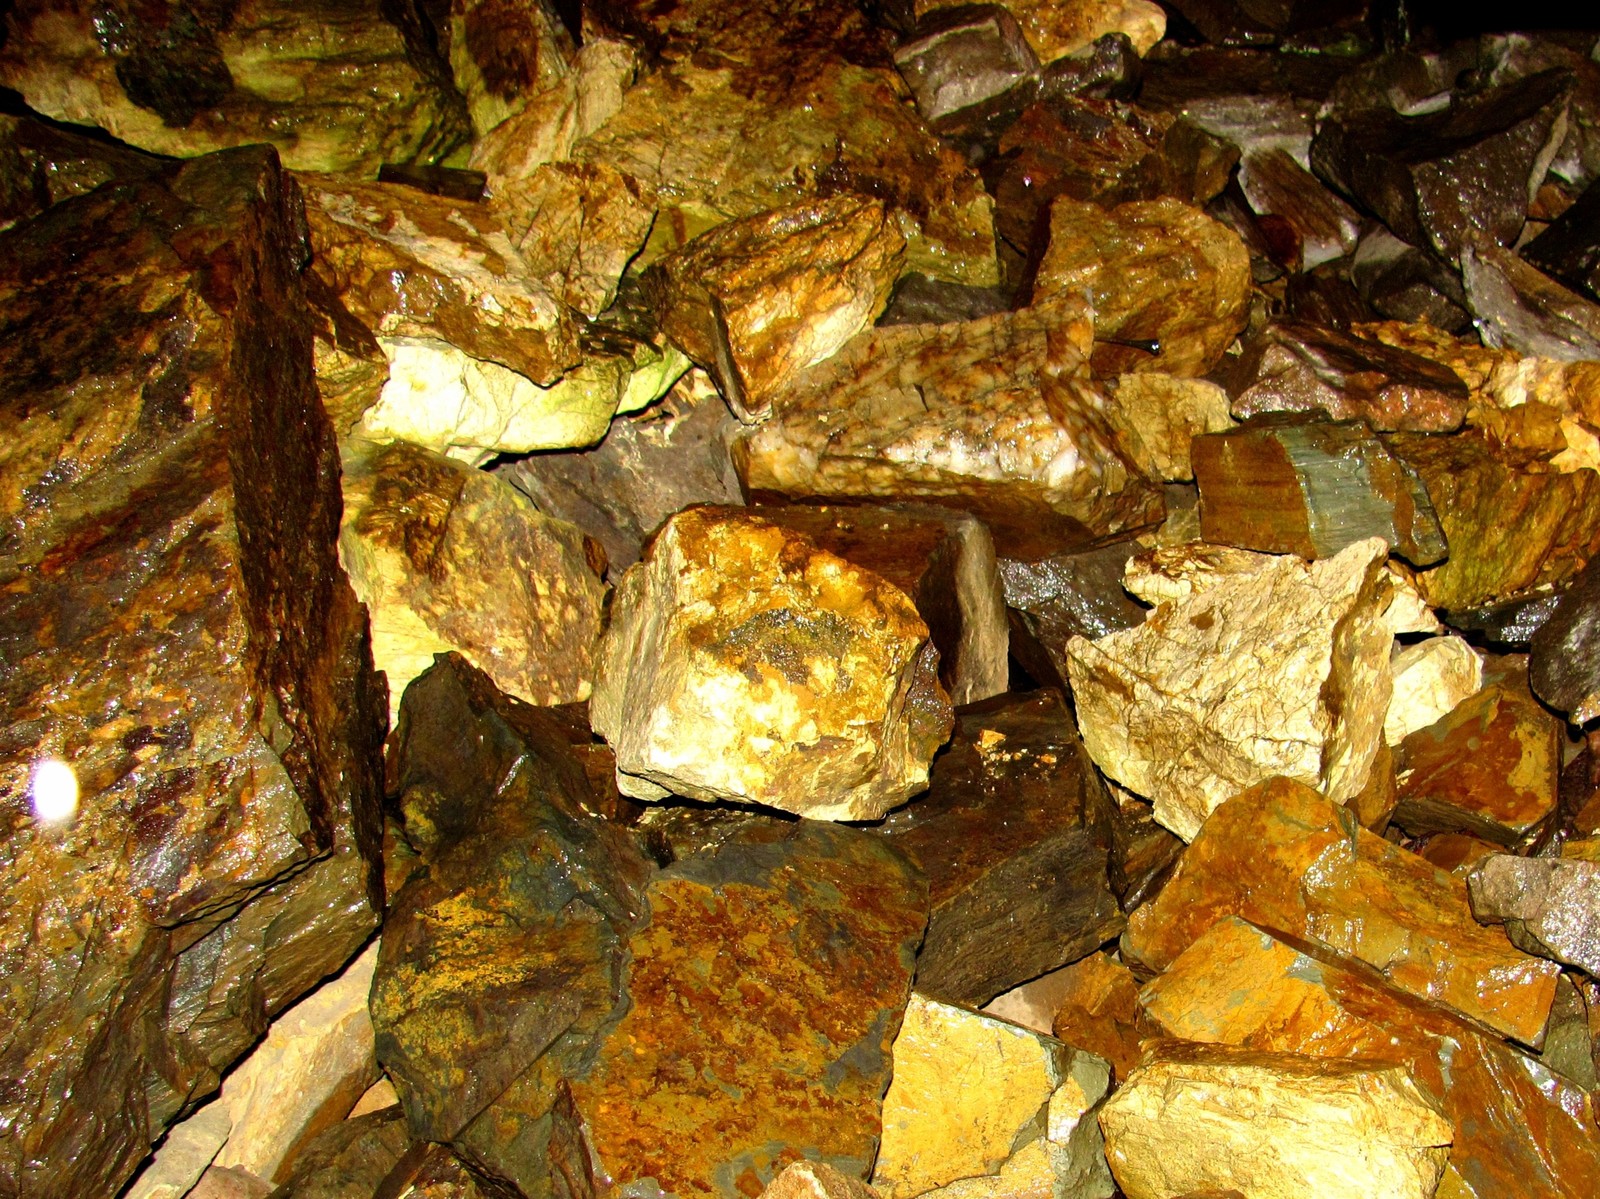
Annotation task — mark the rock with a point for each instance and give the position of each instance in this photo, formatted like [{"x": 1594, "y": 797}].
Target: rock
[
  {"x": 185, "y": 1155},
  {"x": 1228, "y": 23},
  {"x": 169, "y": 481},
  {"x": 919, "y": 300},
  {"x": 1156, "y": 269},
  {"x": 1295, "y": 367},
  {"x": 1108, "y": 68},
  {"x": 1488, "y": 767},
  {"x": 1156, "y": 418},
  {"x": 1568, "y": 1045},
  {"x": 1282, "y": 856},
  {"x": 1455, "y": 853},
  {"x": 1563, "y": 663},
  {"x": 334, "y": 87},
  {"x": 1569, "y": 247},
  {"x": 1516, "y": 307},
  {"x": 230, "y": 1183},
  {"x": 503, "y": 53},
  {"x": 1098, "y": 1009},
  {"x": 756, "y": 301},
  {"x": 42, "y": 164},
  {"x": 1404, "y": 283},
  {"x": 1312, "y": 489},
  {"x": 1249, "y": 666},
  {"x": 450, "y": 558},
  {"x": 1520, "y": 1132},
  {"x": 963, "y": 56},
  {"x": 1142, "y": 852},
  {"x": 378, "y": 1096},
  {"x": 1407, "y": 169},
  {"x": 1013, "y": 836},
  {"x": 352, "y": 1159},
  {"x": 1512, "y": 528},
  {"x": 816, "y": 1180},
  {"x": 1507, "y": 626},
  {"x": 1431, "y": 677},
  {"x": 1315, "y": 225},
  {"x": 943, "y": 560},
  {"x": 995, "y": 416},
  {"x": 1549, "y": 906},
  {"x": 744, "y": 663},
  {"x": 1054, "y": 597},
  {"x": 1210, "y": 1118},
  {"x": 1005, "y": 1077},
  {"x": 1056, "y": 29}
]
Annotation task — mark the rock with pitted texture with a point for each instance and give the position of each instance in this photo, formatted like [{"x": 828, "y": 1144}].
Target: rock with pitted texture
[
  {"x": 959, "y": 57},
  {"x": 1282, "y": 856},
  {"x": 1158, "y": 270},
  {"x": 178, "y": 632},
  {"x": 450, "y": 558},
  {"x": 1549, "y": 906},
  {"x": 996, "y": 416},
  {"x": 1565, "y": 662},
  {"x": 1056, "y": 28},
  {"x": 1249, "y": 666},
  {"x": 1431, "y": 677},
  {"x": 1013, "y": 835},
  {"x": 745, "y": 663},
  {"x": 333, "y": 86},
  {"x": 1196, "y": 1118},
  {"x": 1521, "y": 1132}
]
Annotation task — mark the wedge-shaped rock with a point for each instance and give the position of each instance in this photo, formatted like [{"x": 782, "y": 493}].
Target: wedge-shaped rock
[
  {"x": 971, "y": 1093},
  {"x": 1282, "y": 856},
  {"x": 1211, "y": 1119},
  {"x": 1158, "y": 270},
  {"x": 42, "y": 164},
  {"x": 450, "y": 558},
  {"x": 1431, "y": 677},
  {"x": 169, "y": 479},
  {"x": 334, "y": 86},
  {"x": 1565, "y": 662},
  {"x": 1312, "y": 489},
  {"x": 1156, "y": 418},
  {"x": 1056, "y": 28},
  {"x": 1263, "y": 666},
  {"x": 744, "y": 663},
  {"x": 1550, "y": 906},
  {"x": 351, "y": 1158},
  {"x": 1520, "y": 1132},
  {"x": 1013, "y": 835},
  {"x": 758, "y": 300},
  {"x": 996, "y": 416}
]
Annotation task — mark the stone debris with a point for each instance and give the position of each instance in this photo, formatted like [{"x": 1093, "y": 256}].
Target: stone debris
[
  {"x": 1549, "y": 906},
  {"x": 964, "y": 56}
]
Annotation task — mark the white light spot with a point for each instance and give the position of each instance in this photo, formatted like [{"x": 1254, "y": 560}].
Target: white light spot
[{"x": 55, "y": 790}]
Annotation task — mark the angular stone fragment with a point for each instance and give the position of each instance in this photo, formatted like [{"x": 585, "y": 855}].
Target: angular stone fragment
[
  {"x": 995, "y": 416},
  {"x": 1518, "y": 307},
  {"x": 350, "y": 1159},
  {"x": 1520, "y": 1131},
  {"x": 1430, "y": 678},
  {"x": 959, "y": 57},
  {"x": 503, "y": 51},
  {"x": 756, "y": 301},
  {"x": 334, "y": 86},
  {"x": 230, "y": 1183},
  {"x": 744, "y": 663},
  {"x": 1060, "y": 27},
  {"x": 1264, "y": 666},
  {"x": 1457, "y": 853},
  {"x": 42, "y": 164},
  {"x": 1055, "y": 597},
  {"x": 179, "y": 635},
  {"x": 1506, "y": 626},
  {"x": 816, "y": 1180},
  {"x": 187, "y": 1152},
  {"x": 1282, "y": 856},
  {"x": 919, "y": 300},
  {"x": 1142, "y": 852},
  {"x": 450, "y": 558},
  {"x": 1549, "y": 906},
  {"x": 1312, "y": 489},
  {"x": 1098, "y": 1010},
  {"x": 1404, "y": 283},
  {"x": 1569, "y": 248},
  {"x": 1213, "y": 1119},
  {"x": 1312, "y": 224},
  {"x": 1156, "y": 269},
  {"x": 1156, "y": 418},
  {"x": 1565, "y": 662},
  {"x": 1013, "y": 836}
]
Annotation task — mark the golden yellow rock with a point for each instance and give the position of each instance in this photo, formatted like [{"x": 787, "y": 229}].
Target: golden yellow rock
[
  {"x": 745, "y": 664},
  {"x": 1060, "y": 27},
  {"x": 1156, "y": 416},
  {"x": 1430, "y": 678},
  {"x": 1249, "y": 666},
  {"x": 1213, "y": 1119}
]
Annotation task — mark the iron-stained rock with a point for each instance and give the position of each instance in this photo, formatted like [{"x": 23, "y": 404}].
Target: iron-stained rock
[
  {"x": 1156, "y": 418},
  {"x": 959, "y": 57},
  {"x": 1565, "y": 663},
  {"x": 1098, "y": 1009},
  {"x": 502, "y": 52},
  {"x": 1549, "y": 906},
  {"x": 351, "y": 1160},
  {"x": 816, "y": 1180},
  {"x": 42, "y": 164}
]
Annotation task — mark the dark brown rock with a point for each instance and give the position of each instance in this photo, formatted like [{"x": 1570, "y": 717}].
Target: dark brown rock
[
  {"x": 42, "y": 164},
  {"x": 1142, "y": 852},
  {"x": 1508, "y": 626},
  {"x": 1014, "y": 836},
  {"x": 352, "y": 1159},
  {"x": 1239, "y": 21},
  {"x": 177, "y": 630},
  {"x": 1565, "y": 663},
  {"x": 1569, "y": 247},
  {"x": 1055, "y": 597},
  {"x": 919, "y": 300},
  {"x": 1307, "y": 224},
  {"x": 1404, "y": 283},
  {"x": 958, "y": 57}
]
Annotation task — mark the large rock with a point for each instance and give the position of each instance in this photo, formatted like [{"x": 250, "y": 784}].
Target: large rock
[
  {"x": 179, "y": 634},
  {"x": 1549, "y": 906},
  {"x": 744, "y": 663},
  {"x": 1249, "y": 666},
  {"x": 1282, "y": 856},
  {"x": 334, "y": 86}
]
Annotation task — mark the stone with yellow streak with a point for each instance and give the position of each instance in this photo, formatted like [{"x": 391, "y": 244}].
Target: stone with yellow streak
[
  {"x": 1207, "y": 1118},
  {"x": 745, "y": 664}
]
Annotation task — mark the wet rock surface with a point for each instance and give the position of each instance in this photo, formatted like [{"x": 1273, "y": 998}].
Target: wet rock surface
[
  {"x": 1548, "y": 906},
  {"x": 1563, "y": 658}
]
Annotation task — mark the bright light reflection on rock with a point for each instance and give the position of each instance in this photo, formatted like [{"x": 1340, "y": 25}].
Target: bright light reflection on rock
[{"x": 55, "y": 791}]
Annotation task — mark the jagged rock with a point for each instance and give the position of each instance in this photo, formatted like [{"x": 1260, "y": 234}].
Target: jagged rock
[
  {"x": 1013, "y": 836},
  {"x": 1004, "y": 1077},
  {"x": 1158, "y": 270},
  {"x": 1431, "y": 677},
  {"x": 1517, "y": 307},
  {"x": 1565, "y": 663},
  {"x": 1055, "y": 597},
  {"x": 1507, "y": 626},
  {"x": 185, "y": 1155},
  {"x": 1569, "y": 248},
  {"x": 744, "y": 663},
  {"x": 169, "y": 480},
  {"x": 959, "y": 57},
  {"x": 1488, "y": 767},
  {"x": 1108, "y": 68},
  {"x": 1312, "y": 489},
  {"x": 1098, "y": 1009},
  {"x": 1295, "y": 367},
  {"x": 943, "y": 560},
  {"x": 756, "y": 301},
  {"x": 816, "y": 1180},
  {"x": 1156, "y": 418},
  {"x": 42, "y": 164},
  {"x": 1230, "y": 22},
  {"x": 1404, "y": 283},
  {"x": 334, "y": 86},
  {"x": 1569, "y": 1047},
  {"x": 1142, "y": 852},
  {"x": 1056, "y": 28},
  {"x": 1215, "y": 1119},
  {"x": 230, "y": 1183},
  {"x": 1455, "y": 853},
  {"x": 350, "y": 1160},
  {"x": 1520, "y": 1132},
  {"x": 996, "y": 416},
  {"x": 450, "y": 558},
  {"x": 1282, "y": 856},
  {"x": 1549, "y": 906},
  {"x": 1249, "y": 666},
  {"x": 1315, "y": 225}
]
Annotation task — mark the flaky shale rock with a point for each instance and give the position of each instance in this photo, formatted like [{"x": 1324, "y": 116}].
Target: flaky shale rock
[
  {"x": 1249, "y": 666},
  {"x": 178, "y": 634},
  {"x": 450, "y": 558},
  {"x": 1206, "y": 1118},
  {"x": 1549, "y": 906},
  {"x": 743, "y": 663}
]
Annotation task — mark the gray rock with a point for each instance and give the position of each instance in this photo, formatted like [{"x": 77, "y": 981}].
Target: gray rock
[
  {"x": 1565, "y": 663},
  {"x": 964, "y": 56},
  {"x": 1550, "y": 906}
]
